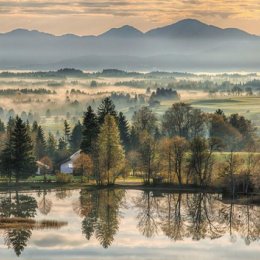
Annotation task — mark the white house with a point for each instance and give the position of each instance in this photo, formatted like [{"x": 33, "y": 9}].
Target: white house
[{"x": 67, "y": 166}]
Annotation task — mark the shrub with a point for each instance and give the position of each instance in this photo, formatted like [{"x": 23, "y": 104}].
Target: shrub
[{"x": 63, "y": 178}]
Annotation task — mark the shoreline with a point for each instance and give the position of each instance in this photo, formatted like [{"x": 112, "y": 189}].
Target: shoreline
[
  {"x": 158, "y": 190},
  {"x": 32, "y": 186}
]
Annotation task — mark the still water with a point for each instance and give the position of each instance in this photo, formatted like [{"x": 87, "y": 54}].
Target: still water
[{"x": 118, "y": 224}]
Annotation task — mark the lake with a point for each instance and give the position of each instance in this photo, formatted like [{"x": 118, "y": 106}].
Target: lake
[{"x": 126, "y": 224}]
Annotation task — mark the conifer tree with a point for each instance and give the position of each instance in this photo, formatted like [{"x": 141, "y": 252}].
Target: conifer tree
[
  {"x": 76, "y": 137},
  {"x": 40, "y": 144},
  {"x": 106, "y": 107},
  {"x": 124, "y": 130},
  {"x": 34, "y": 127},
  {"x": 90, "y": 131},
  {"x": 6, "y": 160},
  {"x": 66, "y": 131},
  {"x": 51, "y": 146},
  {"x": 21, "y": 151},
  {"x": 2, "y": 127},
  {"x": 6, "y": 156},
  {"x": 62, "y": 146}
]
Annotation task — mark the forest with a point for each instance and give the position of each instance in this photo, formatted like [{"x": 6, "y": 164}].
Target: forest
[{"x": 185, "y": 147}]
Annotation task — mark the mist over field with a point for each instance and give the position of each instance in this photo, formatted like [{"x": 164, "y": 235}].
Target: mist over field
[{"x": 188, "y": 45}]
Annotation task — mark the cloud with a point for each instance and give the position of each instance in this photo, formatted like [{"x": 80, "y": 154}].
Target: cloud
[
  {"x": 154, "y": 9},
  {"x": 63, "y": 16}
]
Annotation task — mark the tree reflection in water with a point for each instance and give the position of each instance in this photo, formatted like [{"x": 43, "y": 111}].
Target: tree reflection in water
[
  {"x": 17, "y": 206},
  {"x": 45, "y": 204},
  {"x": 17, "y": 212},
  {"x": 101, "y": 212},
  {"x": 176, "y": 215},
  {"x": 197, "y": 216}
]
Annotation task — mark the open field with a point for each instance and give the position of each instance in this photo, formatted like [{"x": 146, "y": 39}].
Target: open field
[{"x": 73, "y": 95}]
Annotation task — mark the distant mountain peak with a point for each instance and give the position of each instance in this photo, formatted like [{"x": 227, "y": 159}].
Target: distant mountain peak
[
  {"x": 192, "y": 28},
  {"x": 123, "y": 31},
  {"x": 25, "y": 32},
  {"x": 190, "y": 21}
]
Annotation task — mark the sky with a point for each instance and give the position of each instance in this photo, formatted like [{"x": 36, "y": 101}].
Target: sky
[{"x": 84, "y": 17}]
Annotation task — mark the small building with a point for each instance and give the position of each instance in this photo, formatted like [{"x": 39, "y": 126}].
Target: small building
[
  {"x": 41, "y": 167},
  {"x": 67, "y": 166}
]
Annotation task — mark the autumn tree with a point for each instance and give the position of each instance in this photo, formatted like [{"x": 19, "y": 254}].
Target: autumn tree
[
  {"x": 184, "y": 121},
  {"x": 180, "y": 147},
  {"x": 133, "y": 160},
  {"x": 46, "y": 166},
  {"x": 172, "y": 153},
  {"x": 83, "y": 165},
  {"x": 250, "y": 170},
  {"x": 111, "y": 154},
  {"x": 245, "y": 128},
  {"x": 201, "y": 159},
  {"x": 166, "y": 157},
  {"x": 148, "y": 156},
  {"x": 221, "y": 129},
  {"x": 231, "y": 167},
  {"x": 144, "y": 120}
]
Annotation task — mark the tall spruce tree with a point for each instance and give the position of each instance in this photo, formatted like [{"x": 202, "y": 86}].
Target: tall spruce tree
[
  {"x": 66, "y": 132},
  {"x": 90, "y": 131},
  {"x": 51, "y": 146},
  {"x": 34, "y": 127},
  {"x": 6, "y": 156},
  {"x": 6, "y": 160},
  {"x": 21, "y": 151},
  {"x": 106, "y": 107},
  {"x": 40, "y": 144},
  {"x": 124, "y": 130},
  {"x": 2, "y": 127},
  {"x": 10, "y": 127},
  {"x": 76, "y": 137}
]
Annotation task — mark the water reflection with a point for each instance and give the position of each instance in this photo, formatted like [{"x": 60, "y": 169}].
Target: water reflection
[
  {"x": 100, "y": 211},
  {"x": 197, "y": 216},
  {"x": 45, "y": 204},
  {"x": 16, "y": 219},
  {"x": 97, "y": 215},
  {"x": 17, "y": 206}
]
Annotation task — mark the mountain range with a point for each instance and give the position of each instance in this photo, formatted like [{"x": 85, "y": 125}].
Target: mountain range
[{"x": 188, "y": 45}]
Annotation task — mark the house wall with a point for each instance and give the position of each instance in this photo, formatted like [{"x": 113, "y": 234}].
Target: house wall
[{"x": 67, "y": 167}]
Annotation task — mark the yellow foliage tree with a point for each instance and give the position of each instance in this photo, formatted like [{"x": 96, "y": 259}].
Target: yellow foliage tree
[{"x": 111, "y": 155}]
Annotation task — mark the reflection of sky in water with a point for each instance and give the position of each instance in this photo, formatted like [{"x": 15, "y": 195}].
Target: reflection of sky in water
[{"x": 69, "y": 243}]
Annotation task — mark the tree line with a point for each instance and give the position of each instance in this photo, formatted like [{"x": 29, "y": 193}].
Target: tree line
[
  {"x": 39, "y": 91},
  {"x": 178, "y": 148}
]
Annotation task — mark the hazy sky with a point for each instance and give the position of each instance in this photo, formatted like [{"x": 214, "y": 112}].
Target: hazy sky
[{"x": 85, "y": 17}]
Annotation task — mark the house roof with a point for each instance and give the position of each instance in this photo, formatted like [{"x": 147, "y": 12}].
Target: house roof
[
  {"x": 75, "y": 154},
  {"x": 71, "y": 157},
  {"x": 40, "y": 164}
]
